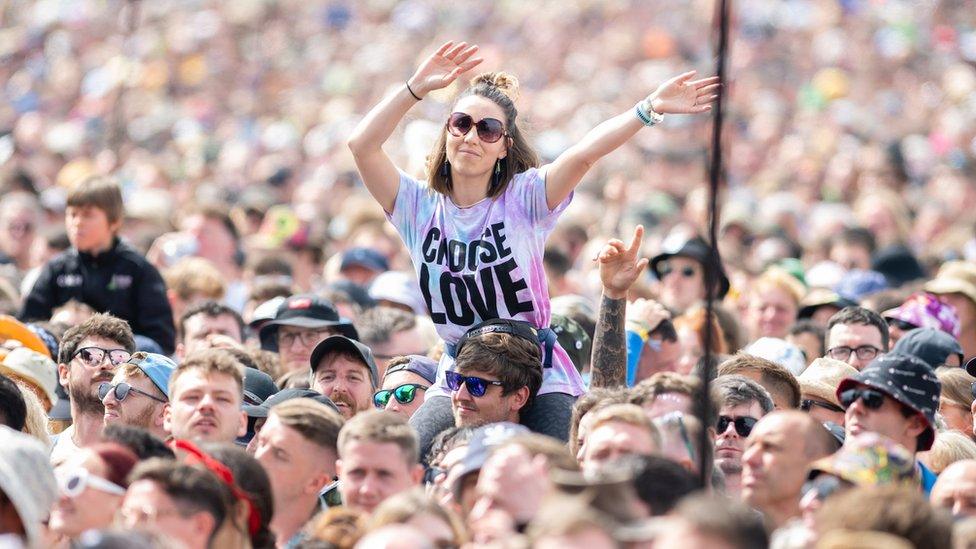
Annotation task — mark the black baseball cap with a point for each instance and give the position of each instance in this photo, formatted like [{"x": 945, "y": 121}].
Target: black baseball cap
[
  {"x": 304, "y": 311},
  {"x": 335, "y": 343},
  {"x": 263, "y": 409},
  {"x": 258, "y": 386},
  {"x": 932, "y": 346}
]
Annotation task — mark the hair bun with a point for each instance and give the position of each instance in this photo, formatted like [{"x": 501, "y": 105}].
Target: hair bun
[{"x": 504, "y": 82}]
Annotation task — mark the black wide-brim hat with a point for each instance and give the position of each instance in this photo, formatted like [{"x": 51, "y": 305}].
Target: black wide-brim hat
[
  {"x": 304, "y": 311},
  {"x": 906, "y": 379},
  {"x": 697, "y": 249}
]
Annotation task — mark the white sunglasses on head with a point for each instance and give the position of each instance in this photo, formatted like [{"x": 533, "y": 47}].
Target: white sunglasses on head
[{"x": 74, "y": 482}]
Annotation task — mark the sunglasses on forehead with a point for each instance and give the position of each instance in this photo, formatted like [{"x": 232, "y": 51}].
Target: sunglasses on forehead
[{"x": 489, "y": 130}]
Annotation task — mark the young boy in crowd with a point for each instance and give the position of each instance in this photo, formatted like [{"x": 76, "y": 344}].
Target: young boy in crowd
[{"x": 102, "y": 271}]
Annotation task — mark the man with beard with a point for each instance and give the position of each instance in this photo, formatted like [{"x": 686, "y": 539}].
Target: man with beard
[
  {"x": 206, "y": 396},
  {"x": 496, "y": 374},
  {"x": 343, "y": 369},
  {"x": 139, "y": 392},
  {"x": 741, "y": 402},
  {"x": 89, "y": 355}
]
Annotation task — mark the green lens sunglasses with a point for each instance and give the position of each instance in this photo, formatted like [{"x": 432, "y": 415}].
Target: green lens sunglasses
[{"x": 403, "y": 393}]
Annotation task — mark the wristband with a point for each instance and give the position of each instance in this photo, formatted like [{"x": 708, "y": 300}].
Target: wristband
[
  {"x": 646, "y": 114},
  {"x": 415, "y": 96}
]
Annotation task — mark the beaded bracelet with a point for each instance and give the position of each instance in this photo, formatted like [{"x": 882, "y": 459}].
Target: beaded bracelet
[{"x": 646, "y": 114}]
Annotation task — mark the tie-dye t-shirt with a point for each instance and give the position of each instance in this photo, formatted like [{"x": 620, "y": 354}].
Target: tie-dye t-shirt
[{"x": 483, "y": 262}]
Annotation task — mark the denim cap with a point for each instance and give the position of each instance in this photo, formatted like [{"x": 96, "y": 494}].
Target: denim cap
[
  {"x": 420, "y": 365},
  {"x": 157, "y": 368},
  {"x": 857, "y": 284},
  {"x": 364, "y": 257}
]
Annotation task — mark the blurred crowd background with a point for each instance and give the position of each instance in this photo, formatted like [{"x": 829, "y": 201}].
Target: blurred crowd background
[{"x": 842, "y": 114}]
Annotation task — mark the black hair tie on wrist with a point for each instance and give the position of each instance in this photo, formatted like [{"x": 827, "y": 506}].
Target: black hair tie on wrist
[{"x": 415, "y": 96}]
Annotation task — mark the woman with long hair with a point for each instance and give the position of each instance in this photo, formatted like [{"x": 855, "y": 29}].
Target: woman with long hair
[{"x": 476, "y": 229}]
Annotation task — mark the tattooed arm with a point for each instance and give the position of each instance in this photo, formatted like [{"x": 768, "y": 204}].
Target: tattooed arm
[
  {"x": 619, "y": 268},
  {"x": 608, "y": 365}
]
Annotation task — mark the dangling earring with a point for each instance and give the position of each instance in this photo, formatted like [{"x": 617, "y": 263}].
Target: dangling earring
[
  {"x": 496, "y": 178},
  {"x": 445, "y": 169}
]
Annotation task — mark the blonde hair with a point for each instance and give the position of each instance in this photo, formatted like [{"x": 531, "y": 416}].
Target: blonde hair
[
  {"x": 630, "y": 414},
  {"x": 956, "y": 385},
  {"x": 779, "y": 278},
  {"x": 380, "y": 426},
  {"x": 195, "y": 277},
  {"x": 403, "y": 507},
  {"x": 948, "y": 448},
  {"x": 35, "y": 423},
  {"x": 210, "y": 361},
  {"x": 501, "y": 89}
]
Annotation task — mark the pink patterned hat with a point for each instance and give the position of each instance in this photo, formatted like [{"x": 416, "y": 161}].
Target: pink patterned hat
[{"x": 925, "y": 310}]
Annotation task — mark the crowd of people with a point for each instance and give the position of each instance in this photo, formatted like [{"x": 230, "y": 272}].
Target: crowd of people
[{"x": 253, "y": 293}]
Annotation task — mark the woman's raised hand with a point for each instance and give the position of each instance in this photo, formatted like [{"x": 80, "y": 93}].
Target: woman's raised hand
[
  {"x": 682, "y": 95},
  {"x": 444, "y": 66}
]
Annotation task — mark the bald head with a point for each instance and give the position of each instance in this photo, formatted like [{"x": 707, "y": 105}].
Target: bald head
[
  {"x": 775, "y": 463},
  {"x": 956, "y": 489}
]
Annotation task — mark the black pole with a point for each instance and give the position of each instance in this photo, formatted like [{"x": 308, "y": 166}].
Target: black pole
[{"x": 716, "y": 176}]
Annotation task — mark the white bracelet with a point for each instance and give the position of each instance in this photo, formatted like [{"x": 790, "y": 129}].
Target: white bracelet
[{"x": 646, "y": 113}]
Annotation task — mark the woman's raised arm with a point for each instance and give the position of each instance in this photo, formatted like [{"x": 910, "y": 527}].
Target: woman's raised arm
[
  {"x": 679, "y": 95},
  {"x": 367, "y": 139}
]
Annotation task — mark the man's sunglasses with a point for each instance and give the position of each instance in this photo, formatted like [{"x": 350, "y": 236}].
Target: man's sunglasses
[
  {"x": 93, "y": 356},
  {"x": 743, "y": 424},
  {"x": 476, "y": 386},
  {"x": 900, "y": 324},
  {"x": 490, "y": 130},
  {"x": 404, "y": 394},
  {"x": 122, "y": 390},
  {"x": 806, "y": 404},
  {"x": 665, "y": 269},
  {"x": 871, "y": 398}
]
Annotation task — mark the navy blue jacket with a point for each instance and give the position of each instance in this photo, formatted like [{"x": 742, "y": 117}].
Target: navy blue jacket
[{"x": 119, "y": 281}]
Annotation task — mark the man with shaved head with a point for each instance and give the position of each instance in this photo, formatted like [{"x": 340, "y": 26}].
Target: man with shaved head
[
  {"x": 777, "y": 457},
  {"x": 955, "y": 490}
]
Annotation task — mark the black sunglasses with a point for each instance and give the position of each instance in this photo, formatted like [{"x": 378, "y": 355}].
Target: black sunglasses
[
  {"x": 122, "y": 391},
  {"x": 476, "y": 386},
  {"x": 667, "y": 269},
  {"x": 872, "y": 399},
  {"x": 404, "y": 394},
  {"x": 901, "y": 324},
  {"x": 490, "y": 130},
  {"x": 743, "y": 425},
  {"x": 807, "y": 403}
]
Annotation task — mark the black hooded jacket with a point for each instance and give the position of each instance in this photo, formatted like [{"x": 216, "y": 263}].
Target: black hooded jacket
[{"x": 119, "y": 281}]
